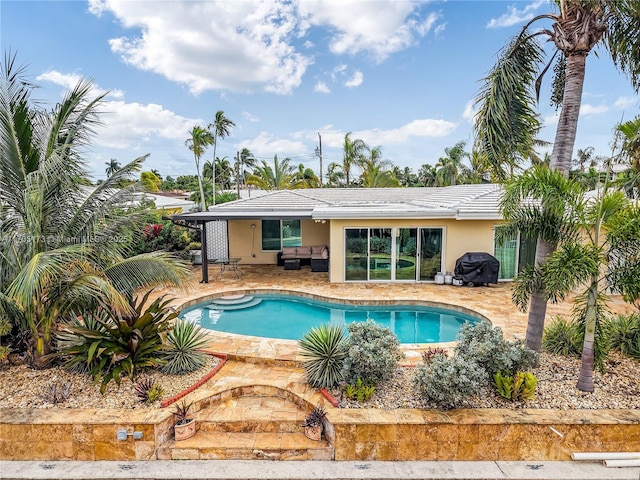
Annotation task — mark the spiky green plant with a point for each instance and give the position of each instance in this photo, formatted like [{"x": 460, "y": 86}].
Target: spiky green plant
[
  {"x": 623, "y": 332},
  {"x": 185, "y": 342},
  {"x": 324, "y": 348}
]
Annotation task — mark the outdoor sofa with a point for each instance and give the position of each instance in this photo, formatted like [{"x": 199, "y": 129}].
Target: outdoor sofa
[{"x": 317, "y": 256}]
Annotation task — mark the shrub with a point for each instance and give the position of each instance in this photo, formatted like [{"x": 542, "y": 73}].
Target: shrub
[
  {"x": 623, "y": 333},
  {"x": 447, "y": 382},
  {"x": 148, "y": 391},
  {"x": 566, "y": 337},
  {"x": 184, "y": 354},
  {"x": 562, "y": 337},
  {"x": 114, "y": 345},
  {"x": 373, "y": 354},
  {"x": 360, "y": 391},
  {"x": 485, "y": 346},
  {"x": 324, "y": 349},
  {"x": 429, "y": 354},
  {"x": 521, "y": 386}
]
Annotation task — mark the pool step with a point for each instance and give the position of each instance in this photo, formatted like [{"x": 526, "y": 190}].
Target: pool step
[
  {"x": 251, "y": 302},
  {"x": 232, "y": 299},
  {"x": 251, "y": 427}
]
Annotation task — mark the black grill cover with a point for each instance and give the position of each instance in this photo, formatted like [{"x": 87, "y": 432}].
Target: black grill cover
[{"x": 477, "y": 268}]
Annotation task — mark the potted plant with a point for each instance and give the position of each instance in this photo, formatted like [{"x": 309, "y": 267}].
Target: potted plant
[
  {"x": 313, "y": 424},
  {"x": 185, "y": 427}
]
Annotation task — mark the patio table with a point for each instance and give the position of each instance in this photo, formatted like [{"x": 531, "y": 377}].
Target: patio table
[{"x": 228, "y": 264}]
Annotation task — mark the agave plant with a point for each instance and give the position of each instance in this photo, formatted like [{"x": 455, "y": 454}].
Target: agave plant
[
  {"x": 184, "y": 354},
  {"x": 324, "y": 349}
]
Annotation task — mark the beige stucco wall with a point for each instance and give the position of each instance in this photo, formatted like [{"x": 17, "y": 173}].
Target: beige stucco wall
[
  {"x": 246, "y": 243},
  {"x": 460, "y": 236}
]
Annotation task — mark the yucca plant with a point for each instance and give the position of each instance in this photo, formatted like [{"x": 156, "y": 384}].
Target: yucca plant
[
  {"x": 184, "y": 354},
  {"x": 324, "y": 348}
]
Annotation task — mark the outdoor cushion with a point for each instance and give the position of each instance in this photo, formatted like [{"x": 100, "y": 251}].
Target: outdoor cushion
[
  {"x": 289, "y": 253},
  {"x": 319, "y": 252},
  {"x": 303, "y": 252},
  {"x": 317, "y": 249}
]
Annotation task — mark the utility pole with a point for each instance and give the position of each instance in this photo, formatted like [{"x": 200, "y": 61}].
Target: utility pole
[
  {"x": 319, "y": 154},
  {"x": 238, "y": 173}
]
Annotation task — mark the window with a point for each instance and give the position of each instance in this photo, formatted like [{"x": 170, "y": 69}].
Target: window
[
  {"x": 279, "y": 233},
  {"x": 514, "y": 254}
]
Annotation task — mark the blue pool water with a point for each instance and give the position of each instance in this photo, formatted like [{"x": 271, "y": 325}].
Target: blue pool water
[{"x": 290, "y": 317}]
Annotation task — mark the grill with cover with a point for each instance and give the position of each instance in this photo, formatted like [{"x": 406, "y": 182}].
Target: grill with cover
[{"x": 477, "y": 268}]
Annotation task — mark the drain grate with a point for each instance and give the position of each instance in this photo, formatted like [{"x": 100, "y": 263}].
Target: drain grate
[{"x": 47, "y": 466}]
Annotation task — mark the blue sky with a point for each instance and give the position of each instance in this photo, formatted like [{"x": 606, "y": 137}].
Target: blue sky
[{"x": 398, "y": 74}]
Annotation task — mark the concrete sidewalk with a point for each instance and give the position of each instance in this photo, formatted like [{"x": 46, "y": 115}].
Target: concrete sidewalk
[{"x": 271, "y": 470}]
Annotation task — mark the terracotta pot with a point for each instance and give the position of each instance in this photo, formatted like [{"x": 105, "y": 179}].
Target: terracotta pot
[
  {"x": 185, "y": 430},
  {"x": 313, "y": 433}
]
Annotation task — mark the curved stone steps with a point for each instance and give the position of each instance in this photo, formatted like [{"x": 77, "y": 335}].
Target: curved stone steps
[
  {"x": 235, "y": 305},
  {"x": 251, "y": 427}
]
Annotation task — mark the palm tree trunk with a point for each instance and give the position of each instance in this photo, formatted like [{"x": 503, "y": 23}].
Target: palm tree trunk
[
  {"x": 569, "y": 113},
  {"x": 538, "y": 303},
  {"x": 585, "y": 379}
]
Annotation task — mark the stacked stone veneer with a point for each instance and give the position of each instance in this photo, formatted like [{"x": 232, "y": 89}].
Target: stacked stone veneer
[
  {"x": 482, "y": 434},
  {"x": 357, "y": 434}
]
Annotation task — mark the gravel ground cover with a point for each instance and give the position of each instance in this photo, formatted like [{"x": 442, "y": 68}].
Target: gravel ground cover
[
  {"x": 24, "y": 387},
  {"x": 618, "y": 388}
]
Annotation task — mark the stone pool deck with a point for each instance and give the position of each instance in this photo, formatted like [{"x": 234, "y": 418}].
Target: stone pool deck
[{"x": 253, "y": 407}]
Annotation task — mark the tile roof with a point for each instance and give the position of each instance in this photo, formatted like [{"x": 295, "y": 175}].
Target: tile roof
[{"x": 460, "y": 201}]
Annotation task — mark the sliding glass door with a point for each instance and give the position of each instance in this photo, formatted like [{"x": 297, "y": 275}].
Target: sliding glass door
[{"x": 392, "y": 254}]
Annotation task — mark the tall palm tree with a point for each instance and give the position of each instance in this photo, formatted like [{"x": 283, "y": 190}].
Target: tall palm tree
[
  {"x": 594, "y": 236},
  {"x": 353, "y": 151},
  {"x": 65, "y": 247},
  {"x": 199, "y": 139},
  {"x": 220, "y": 128},
  {"x": 448, "y": 168},
  {"x": 373, "y": 176},
  {"x": 506, "y": 125},
  {"x": 112, "y": 167},
  {"x": 245, "y": 160},
  {"x": 281, "y": 177}
]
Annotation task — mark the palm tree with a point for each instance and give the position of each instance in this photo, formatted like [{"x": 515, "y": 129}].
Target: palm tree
[
  {"x": 630, "y": 145},
  {"x": 281, "y": 177},
  {"x": 245, "y": 160},
  {"x": 200, "y": 138},
  {"x": 112, "y": 167},
  {"x": 335, "y": 175},
  {"x": 427, "y": 176},
  {"x": 353, "y": 150},
  {"x": 157, "y": 173},
  {"x": 220, "y": 128},
  {"x": 307, "y": 176},
  {"x": 506, "y": 124},
  {"x": 594, "y": 236},
  {"x": 448, "y": 168},
  {"x": 373, "y": 176},
  {"x": 64, "y": 246}
]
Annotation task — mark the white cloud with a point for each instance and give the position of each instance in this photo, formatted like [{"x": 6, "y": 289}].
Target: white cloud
[
  {"x": 439, "y": 29},
  {"x": 515, "y": 15},
  {"x": 624, "y": 102},
  {"x": 355, "y": 80},
  {"x": 250, "y": 117},
  {"x": 70, "y": 80},
  {"x": 469, "y": 113},
  {"x": 587, "y": 109},
  {"x": 417, "y": 128},
  {"x": 266, "y": 145},
  {"x": 131, "y": 125},
  {"x": 379, "y": 28},
  {"x": 321, "y": 87},
  {"x": 237, "y": 46}
]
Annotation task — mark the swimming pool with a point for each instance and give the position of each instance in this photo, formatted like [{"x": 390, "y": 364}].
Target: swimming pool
[{"x": 291, "y": 316}]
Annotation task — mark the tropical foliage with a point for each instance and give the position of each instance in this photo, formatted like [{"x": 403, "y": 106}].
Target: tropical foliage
[
  {"x": 185, "y": 343},
  {"x": 199, "y": 139},
  {"x": 507, "y": 125},
  {"x": 113, "y": 344},
  {"x": 281, "y": 177},
  {"x": 324, "y": 349},
  {"x": 220, "y": 128},
  {"x": 62, "y": 244}
]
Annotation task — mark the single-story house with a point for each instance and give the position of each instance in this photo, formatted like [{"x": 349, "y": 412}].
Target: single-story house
[{"x": 372, "y": 234}]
